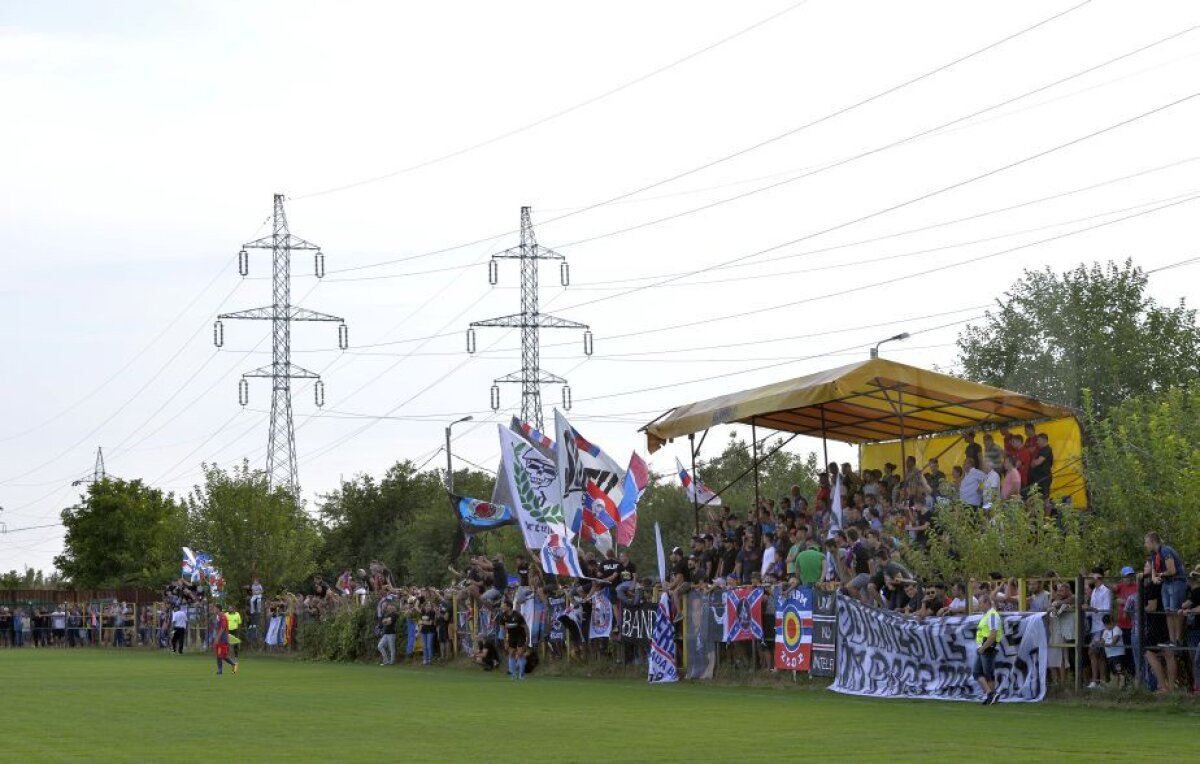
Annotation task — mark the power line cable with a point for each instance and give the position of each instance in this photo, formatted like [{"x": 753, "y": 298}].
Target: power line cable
[
  {"x": 907, "y": 203},
  {"x": 557, "y": 114},
  {"x": 876, "y": 150},
  {"x": 743, "y": 151}
]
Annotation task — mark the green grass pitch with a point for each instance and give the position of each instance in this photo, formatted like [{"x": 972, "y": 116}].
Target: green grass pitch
[{"x": 106, "y": 705}]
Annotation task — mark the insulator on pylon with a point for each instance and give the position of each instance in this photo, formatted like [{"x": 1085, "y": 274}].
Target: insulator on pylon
[
  {"x": 564, "y": 273},
  {"x": 219, "y": 334},
  {"x": 493, "y": 272},
  {"x": 319, "y": 264},
  {"x": 319, "y": 393},
  {"x": 343, "y": 336},
  {"x": 243, "y": 391},
  {"x": 587, "y": 342},
  {"x": 566, "y": 397},
  {"x": 243, "y": 262},
  {"x": 470, "y": 340},
  {"x": 495, "y": 397}
]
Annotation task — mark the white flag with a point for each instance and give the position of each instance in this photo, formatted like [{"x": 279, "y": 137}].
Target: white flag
[
  {"x": 662, "y": 558},
  {"x": 533, "y": 484}
]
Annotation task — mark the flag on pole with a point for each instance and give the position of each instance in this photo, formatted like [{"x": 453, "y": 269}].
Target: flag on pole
[
  {"x": 696, "y": 491},
  {"x": 662, "y": 558},
  {"x": 580, "y": 461},
  {"x": 537, "y": 493},
  {"x": 501, "y": 493},
  {"x": 637, "y": 477},
  {"x": 661, "y": 663},
  {"x": 477, "y": 516},
  {"x": 559, "y": 558}
]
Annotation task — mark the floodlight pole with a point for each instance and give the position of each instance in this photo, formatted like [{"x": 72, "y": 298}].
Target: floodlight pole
[
  {"x": 898, "y": 338},
  {"x": 449, "y": 458}
]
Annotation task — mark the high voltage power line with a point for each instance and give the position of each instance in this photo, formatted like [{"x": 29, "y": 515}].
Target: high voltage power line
[{"x": 745, "y": 150}]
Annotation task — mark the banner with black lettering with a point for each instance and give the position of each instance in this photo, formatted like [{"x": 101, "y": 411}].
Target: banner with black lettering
[
  {"x": 887, "y": 655},
  {"x": 824, "y": 637}
]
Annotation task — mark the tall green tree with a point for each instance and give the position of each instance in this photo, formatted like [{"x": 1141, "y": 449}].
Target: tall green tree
[
  {"x": 251, "y": 530},
  {"x": 1143, "y": 473},
  {"x": 1092, "y": 328},
  {"x": 122, "y": 533},
  {"x": 404, "y": 520}
]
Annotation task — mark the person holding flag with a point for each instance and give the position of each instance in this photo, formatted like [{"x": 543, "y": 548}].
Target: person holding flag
[{"x": 516, "y": 637}]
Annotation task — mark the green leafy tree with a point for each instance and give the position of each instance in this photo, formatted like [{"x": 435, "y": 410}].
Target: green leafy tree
[
  {"x": 1092, "y": 328},
  {"x": 1143, "y": 472},
  {"x": 251, "y": 530},
  {"x": 30, "y": 579},
  {"x": 1014, "y": 538},
  {"x": 121, "y": 533},
  {"x": 403, "y": 520}
]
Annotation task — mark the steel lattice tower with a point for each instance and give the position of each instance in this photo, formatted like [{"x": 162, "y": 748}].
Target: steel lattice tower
[
  {"x": 99, "y": 474},
  {"x": 281, "y": 442},
  {"x": 530, "y": 321}
]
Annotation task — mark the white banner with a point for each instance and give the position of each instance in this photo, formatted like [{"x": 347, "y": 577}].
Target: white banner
[
  {"x": 661, "y": 660},
  {"x": 533, "y": 484},
  {"x": 886, "y": 655},
  {"x": 602, "y": 617}
]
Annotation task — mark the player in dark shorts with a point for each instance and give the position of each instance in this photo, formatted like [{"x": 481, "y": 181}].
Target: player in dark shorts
[{"x": 516, "y": 637}]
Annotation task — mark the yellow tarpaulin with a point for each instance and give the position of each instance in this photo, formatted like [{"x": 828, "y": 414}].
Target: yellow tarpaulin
[
  {"x": 880, "y": 402},
  {"x": 1065, "y": 438},
  {"x": 864, "y": 402}
]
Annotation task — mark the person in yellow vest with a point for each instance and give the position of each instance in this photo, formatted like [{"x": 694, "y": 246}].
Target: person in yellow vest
[
  {"x": 235, "y": 623},
  {"x": 989, "y": 636}
]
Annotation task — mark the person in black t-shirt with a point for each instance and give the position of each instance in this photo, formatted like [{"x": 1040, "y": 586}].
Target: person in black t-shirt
[
  {"x": 516, "y": 636},
  {"x": 728, "y": 556},
  {"x": 387, "y": 640},
  {"x": 320, "y": 588},
  {"x": 610, "y": 569},
  {"x": 1041, "y": 468},
  {"x": 628, "y": 581}
]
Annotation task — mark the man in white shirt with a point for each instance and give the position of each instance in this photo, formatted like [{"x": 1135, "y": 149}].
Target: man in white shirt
[
  {"x": 179, "y": 623},
  {"x": 970, "y": 489},
  {"x": 769, "y": 556},
  {"x": 1099, "y": 605},
  {"x": 991, "y": 484}
]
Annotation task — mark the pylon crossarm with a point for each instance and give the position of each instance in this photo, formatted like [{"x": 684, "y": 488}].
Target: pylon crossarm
[
  {"x": 518, "y": 321},
  {"x": 519, "y": 253},
  {"x": 304, "y": 314},
  {"x": 291, "y": 370},
  {"x": 289, "y": 242}
]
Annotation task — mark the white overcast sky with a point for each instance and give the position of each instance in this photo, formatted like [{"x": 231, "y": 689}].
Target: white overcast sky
[{"x": 142, "y": 143}]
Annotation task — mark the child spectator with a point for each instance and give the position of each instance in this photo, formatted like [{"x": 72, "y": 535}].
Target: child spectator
[{"x": 1114, "y": 649}]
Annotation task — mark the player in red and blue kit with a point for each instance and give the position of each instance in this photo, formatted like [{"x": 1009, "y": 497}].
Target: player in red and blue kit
[{"x": 221, "y": 639}]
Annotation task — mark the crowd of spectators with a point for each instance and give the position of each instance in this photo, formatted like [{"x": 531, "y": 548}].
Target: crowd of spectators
[
  {"x": 67, "y": 624},
  {"x": 1144, "y": 625}
]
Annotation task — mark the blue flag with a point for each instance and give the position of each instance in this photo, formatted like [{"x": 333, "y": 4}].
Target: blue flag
[{"x": 477, "y": 516}]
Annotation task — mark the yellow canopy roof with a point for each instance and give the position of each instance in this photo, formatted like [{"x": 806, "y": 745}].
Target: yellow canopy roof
[{"x": 864, "y": 402}]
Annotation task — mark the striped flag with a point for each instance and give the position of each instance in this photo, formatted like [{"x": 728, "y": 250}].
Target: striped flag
[
  {"x": 696, "y": 491},
  {"x": 637, "y": 477},
  {"x": 559, "y": 558}
]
